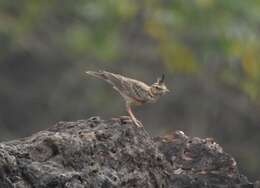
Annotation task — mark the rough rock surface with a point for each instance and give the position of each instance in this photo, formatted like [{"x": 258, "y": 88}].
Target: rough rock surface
[{"x": 95, "y": 153}]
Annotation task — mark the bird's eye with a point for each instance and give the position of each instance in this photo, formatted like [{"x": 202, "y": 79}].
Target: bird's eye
[{"x": 157, "y": 87}]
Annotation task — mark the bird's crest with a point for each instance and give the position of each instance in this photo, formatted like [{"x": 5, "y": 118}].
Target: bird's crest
[{"x": 160, "y": 81}]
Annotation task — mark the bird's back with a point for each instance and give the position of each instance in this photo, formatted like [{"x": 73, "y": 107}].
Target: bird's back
[{"x": 132, "y": 90}]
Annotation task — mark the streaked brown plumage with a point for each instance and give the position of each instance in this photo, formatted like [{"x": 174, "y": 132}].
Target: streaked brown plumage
[{"x": 133, "y": 91}]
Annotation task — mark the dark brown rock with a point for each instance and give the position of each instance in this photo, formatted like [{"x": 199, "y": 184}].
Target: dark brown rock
[{"x": 104, "y": 154}]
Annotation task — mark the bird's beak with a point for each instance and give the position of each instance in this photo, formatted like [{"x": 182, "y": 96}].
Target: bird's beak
[{"x": 167, "y": 90}]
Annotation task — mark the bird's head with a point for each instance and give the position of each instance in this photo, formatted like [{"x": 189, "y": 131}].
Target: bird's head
[{"x": 159, "y": 88}]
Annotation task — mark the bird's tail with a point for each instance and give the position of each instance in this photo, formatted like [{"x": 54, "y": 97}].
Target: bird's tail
[
  {"x": 104, "y": 75},
  {"x": 115, "y": 80},
  {"x": 99, "y": 74}
]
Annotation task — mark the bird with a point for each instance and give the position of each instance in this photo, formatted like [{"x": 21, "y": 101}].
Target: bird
[{"x": 134, "y": 92}]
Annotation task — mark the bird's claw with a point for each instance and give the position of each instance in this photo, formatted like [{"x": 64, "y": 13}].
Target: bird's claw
[
  {"x": 138, "y": 123},
  {"x": 129, "y": 119}
]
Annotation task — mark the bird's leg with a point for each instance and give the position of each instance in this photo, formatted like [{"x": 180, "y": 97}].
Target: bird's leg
[{"x": 136, "y": 122}]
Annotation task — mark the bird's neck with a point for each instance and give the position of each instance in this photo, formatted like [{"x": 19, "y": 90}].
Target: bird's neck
[{"x": 153, "y": 94}]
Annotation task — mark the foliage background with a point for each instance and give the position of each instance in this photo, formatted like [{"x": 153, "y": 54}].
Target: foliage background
[{"x": 209, "y": 50}]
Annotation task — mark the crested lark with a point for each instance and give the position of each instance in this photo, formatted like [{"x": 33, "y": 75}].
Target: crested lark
[{"x": 133, "y": 91}]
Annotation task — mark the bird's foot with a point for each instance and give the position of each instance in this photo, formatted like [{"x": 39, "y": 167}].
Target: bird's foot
[
  {"x": 138, "y": 123},
  {"x": 128, "y": 119}
]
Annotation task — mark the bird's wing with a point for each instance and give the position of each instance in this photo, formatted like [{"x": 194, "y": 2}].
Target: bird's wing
[
  {"x": 137, "y": 90},
  {"x": 127, "y": 87}
]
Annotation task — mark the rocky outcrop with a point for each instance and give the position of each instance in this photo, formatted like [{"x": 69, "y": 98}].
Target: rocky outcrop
[{"x": 97, "y": 153}]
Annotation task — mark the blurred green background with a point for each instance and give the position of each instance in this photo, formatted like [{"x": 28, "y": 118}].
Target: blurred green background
[{"x": 209, "y": 50}]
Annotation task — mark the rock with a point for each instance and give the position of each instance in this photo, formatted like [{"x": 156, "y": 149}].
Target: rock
[{"x": 95, "y": 153}]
